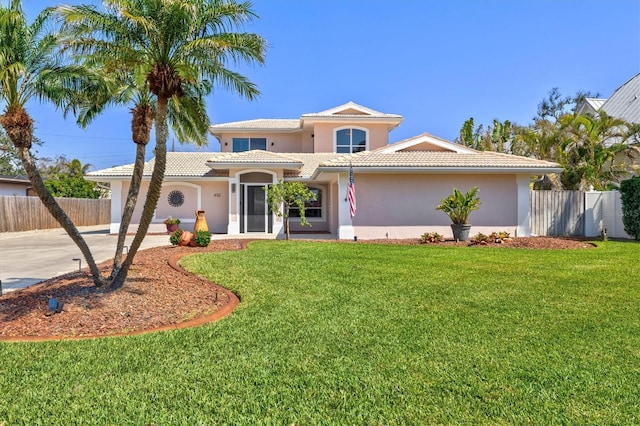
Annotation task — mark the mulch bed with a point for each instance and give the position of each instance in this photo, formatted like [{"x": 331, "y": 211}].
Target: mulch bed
[{"x": 156, "y": 296}]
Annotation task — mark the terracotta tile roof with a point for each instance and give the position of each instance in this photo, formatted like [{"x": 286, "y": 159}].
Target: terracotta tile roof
[
  {"x": 254, "y": 157},
  {"x": 437, "y": 159},
  {"x": 187, "y": 164}
]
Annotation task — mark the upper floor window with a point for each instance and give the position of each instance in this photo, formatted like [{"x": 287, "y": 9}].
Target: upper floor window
[
  {"x": 247, "y": 144},
  {"x": 349, "y": 141}
]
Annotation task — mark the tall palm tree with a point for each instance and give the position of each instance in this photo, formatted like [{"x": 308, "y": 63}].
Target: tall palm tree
[
  {"x": 30, "y": 69},
  {"x": 187, "y": 116},
  {"x": 181, "y": 45}
]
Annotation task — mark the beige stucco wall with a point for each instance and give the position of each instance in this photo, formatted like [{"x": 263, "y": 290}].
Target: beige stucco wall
[
  {"x": 214, "y": 200},
  {"x": 324, "y": 135},
  {"x": 300, "y": 141},
  {"x": 403, "y": 205},
  {"x": 320, "y": 139}
]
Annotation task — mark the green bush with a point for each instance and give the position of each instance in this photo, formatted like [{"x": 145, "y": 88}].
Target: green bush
[
  {"x": 630, "y": 196},
  {"x": 203, "y": 238},
  {"x": 174, "y": 237}
]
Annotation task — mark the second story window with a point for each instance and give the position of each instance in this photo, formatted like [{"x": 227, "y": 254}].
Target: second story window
[
  {"x": 349, "y": 141},
  {"x": 247, "y": 144}
]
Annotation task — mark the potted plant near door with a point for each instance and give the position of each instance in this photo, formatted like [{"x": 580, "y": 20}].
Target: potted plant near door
[
  {"x": 172, "y": 224},
  {"x": 458, "y": 206}
]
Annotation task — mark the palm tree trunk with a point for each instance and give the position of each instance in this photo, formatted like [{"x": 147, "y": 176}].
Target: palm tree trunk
[
  {"x": 127, "y": 213},
  {"x": 153, "y": 195},
  {"x": 57, "y": 212}
]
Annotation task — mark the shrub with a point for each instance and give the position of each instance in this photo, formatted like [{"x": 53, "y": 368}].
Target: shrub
[
  {"x": 499, "y": 237},
  {"x": 431, "y": 237},
  {"x": 630, "y": 196},
  {"x": 480, "y": 238},
  {"x": 495, "y": 237},
  {"x": 174, "y": 237},
  {"x": 203, "y": 238}
]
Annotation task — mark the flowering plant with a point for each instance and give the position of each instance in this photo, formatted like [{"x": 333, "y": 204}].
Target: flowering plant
[{"x": 172, "y": 221}]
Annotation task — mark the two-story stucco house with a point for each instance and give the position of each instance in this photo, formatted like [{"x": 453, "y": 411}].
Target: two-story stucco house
[{"x": 398, "y": 186}]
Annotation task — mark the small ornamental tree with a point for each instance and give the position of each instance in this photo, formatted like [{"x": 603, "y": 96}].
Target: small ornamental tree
[
  {"x": 630, "y": 196},
  {"x": 287, "y": 195}
]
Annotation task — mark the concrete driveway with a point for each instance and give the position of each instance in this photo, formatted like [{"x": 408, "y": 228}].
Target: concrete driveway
[{"x": 29, "y": 257}]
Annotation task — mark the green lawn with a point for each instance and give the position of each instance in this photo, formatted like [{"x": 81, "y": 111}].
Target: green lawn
[{"x": 355, "y": 334}]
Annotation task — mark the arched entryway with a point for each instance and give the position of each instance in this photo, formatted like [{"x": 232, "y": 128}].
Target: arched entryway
[{"x": 254, "y": 214}]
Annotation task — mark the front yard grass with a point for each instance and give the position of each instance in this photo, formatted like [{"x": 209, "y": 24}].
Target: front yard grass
[{"x": 355, "y": 333}]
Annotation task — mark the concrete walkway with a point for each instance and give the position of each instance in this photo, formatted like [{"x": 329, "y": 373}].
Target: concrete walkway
[{"x": 29, "y": 257}]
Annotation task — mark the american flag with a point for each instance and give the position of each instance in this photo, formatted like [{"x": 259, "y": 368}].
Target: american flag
[{"x": 351, "y": 193}]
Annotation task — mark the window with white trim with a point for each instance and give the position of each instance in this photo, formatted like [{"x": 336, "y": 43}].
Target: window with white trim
[
  {"x": 349, "y": 141},
  {"x": 312, "y": 209},
  {"x": 247, "y": 144}
]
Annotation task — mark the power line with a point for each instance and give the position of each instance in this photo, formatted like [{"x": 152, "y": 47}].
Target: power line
[{"x": 83, "y": 137}]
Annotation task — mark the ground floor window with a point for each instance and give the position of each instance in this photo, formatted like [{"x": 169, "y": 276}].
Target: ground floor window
[{"x": 312, "y": 209}]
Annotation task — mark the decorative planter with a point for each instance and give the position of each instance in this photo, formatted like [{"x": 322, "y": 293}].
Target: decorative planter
[
  {"x": 171, "y": 227},
  {"x": 201, "y": 222},
  {"x": 460, "y": 231},
  {"x": 185, "y": 238}
]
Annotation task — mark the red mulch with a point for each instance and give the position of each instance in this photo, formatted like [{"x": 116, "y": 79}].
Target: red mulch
[{"x": 156, "y": 295}]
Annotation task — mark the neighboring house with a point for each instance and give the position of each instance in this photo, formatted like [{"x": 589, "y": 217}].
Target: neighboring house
[
  {"x": 590, "y": 106},
  {"x": 398, "y": 186},
  {"x": 624, "y": 103},
  {"x": 15, "y": 185}
]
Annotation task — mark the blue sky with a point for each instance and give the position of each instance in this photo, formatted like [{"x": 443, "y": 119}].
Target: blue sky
[{"x": 436, "y": 63}]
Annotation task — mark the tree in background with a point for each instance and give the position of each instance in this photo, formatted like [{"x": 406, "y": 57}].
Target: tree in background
[
  {"x": 283, "y": 196},
  {"x": 64, "y": 178},
  {"x": 10, "y": 164},
  {"x": 590, "y": 149}
]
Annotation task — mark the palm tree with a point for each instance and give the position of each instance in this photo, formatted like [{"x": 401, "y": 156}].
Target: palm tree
[
  {"x": 591, "y": 147},
  {"x": 187, "y": 116},
  {"x": 180, "y": 46},
  {"x": 30, "y": 69}
]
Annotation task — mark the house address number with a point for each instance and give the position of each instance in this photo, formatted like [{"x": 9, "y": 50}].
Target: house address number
[{"x": 217, "y": 195}]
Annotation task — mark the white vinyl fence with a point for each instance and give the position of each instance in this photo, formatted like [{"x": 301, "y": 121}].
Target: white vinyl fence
[{"x": 603, "y": 210}]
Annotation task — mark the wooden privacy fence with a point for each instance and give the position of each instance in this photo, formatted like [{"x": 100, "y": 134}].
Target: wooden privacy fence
[
  {"x": 556, "y": 213},
  {"x": 28, "y": 213}
]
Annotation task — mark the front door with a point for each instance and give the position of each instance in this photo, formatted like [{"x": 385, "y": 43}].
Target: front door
[
  {"x": 256, "y": 209},
  {"x": 255, "y": 213}
]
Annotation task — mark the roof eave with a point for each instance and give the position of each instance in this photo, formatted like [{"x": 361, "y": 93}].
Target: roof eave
[
  {"x": 218, "y": 132},
  {"x": 393, "y": 121},
  {"x": 232, "y": 165},
  {"x": 434, "y": 170}
]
